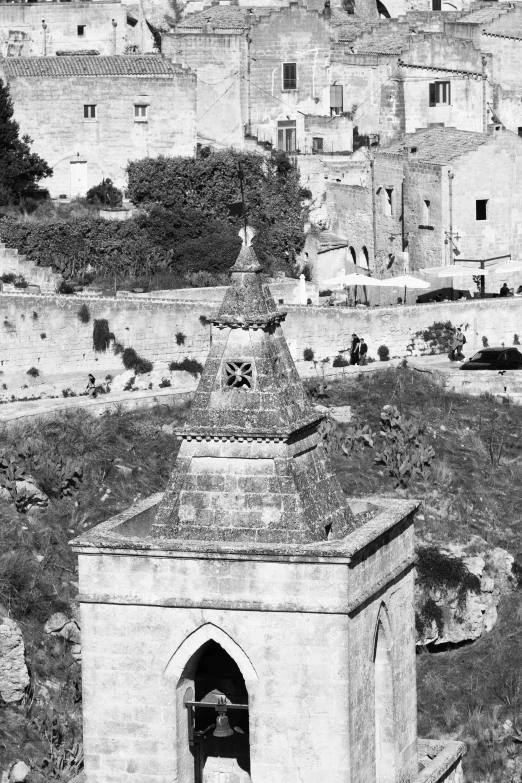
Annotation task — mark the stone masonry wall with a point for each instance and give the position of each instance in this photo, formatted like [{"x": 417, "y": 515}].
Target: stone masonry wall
[
  {"x": 21, "y": 31},
  {"x": 149, "y": 326},
  {"x": 44, "y": 105}
]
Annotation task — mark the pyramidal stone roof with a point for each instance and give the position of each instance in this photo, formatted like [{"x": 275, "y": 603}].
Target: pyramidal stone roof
[{"x": 252, "y": 465}]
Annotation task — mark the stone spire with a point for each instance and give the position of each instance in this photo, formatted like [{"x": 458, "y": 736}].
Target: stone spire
[{"x": 252, "y": 466}]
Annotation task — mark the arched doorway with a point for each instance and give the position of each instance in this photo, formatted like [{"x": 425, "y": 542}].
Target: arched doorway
[
  {"x": 353, "y": 255},
  {"x": 216, "y": 678},
  {"x": 364, "y": 258},
  {"x": 384, "y": 713},
  {"x": 382, "y": 10}
]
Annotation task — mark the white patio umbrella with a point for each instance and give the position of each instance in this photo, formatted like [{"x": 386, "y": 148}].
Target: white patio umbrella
[
  {"x": 509, "y": 266},
  {"x": 406, "y": 282},
  {"x": 353, "y": 279},
  {"x": 460, "y": 271}
]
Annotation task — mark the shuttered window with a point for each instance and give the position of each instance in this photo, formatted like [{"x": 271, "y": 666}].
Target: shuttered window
[
  {"x": 336, "y": 98},
  {"x": 289, "y": 76},
  {"x": 439, "y": 93}
]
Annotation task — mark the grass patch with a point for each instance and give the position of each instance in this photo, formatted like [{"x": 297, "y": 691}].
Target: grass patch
[{"x": 38, "y": 569}]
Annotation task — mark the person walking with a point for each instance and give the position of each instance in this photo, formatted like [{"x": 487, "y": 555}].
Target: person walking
[
  {"x": 354, "y": 350},
  {"x": 455, "y": 353},
  {"x": 91, "y": 386},
  {"x": 363, "y": 351}
]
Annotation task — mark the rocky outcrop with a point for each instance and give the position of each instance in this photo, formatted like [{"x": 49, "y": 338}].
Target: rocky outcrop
[
  {"x": 14, "y": 677},
  {"x": 466, "y": 620}
]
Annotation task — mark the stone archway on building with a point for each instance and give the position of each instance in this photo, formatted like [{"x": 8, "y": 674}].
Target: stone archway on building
[
  {"x": 384, "y": 700},
  {"x": 209, "y": 667}
]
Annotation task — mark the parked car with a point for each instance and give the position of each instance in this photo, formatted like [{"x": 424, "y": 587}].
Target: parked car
[{"x": 494, "y": 359}]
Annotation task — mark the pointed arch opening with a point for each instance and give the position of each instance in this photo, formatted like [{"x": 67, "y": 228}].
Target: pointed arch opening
[
  {"x": 353, "y": 255},
  {"x": 364, "y": 258},
  {"x": 384, "y": 708},
  {"x": 210, "y": 667}
]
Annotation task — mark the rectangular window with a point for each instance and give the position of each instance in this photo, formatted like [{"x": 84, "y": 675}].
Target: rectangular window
[
  {"x": 388, "y": 201},
  {"x": 141, "y": 112},
  {"x": 336, "y": 99},
  {"x": 436, "y": 5},
  {"x": 317, "y": 145},
  {"x": 89, "y": 112},
  {"x": 481, "y": 209},
  {"x": 81, "y": 29},
  {"x": 286, "y": 136},
  {"x": 439, "y": 93},
  {"x": 289, "y": 76},
  {"x": 426, "y": 216}
]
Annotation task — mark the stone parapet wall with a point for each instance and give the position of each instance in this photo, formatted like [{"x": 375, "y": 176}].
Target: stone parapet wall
[{"x": 150, "y": 327}]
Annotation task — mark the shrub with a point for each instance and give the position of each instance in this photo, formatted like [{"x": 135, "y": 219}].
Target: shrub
[
  {"x": 485, "y": 341},
  {"x": 84, "y": 314},
  {"x": 405, "y": 449},
  {"x": 308, "y": 355},
  {"x": 180, "y": 338},
  {"x": 340, "y": 361},
  {"x": 117, "y": 348},
  {"x": 130, "y": 383},
  {"x": 191, "y": 366},
  {"x": 132, "y": 361},
  {"x": 8, "y": 277},
  {"x": 208, "y": 185},
  {"x": 165, "y": 383},
  {"x": 43, "y": 335},
  {"x": 438, "y": 570},
  {"x": 516, "y": 339},
  {"x": 101, "y": 335},
  {"x": 204, "y": 321},
  {"x": 68, "y": 393},
  {"x": 20, "y": 282},
  {"x": 326, "y": 292},
  {"x": 105, "y": 194},
  {"x": 438, "y": 336},
  {"x": 430, "y": 612},
  {"x": 35, "y": 315},
  {"x": 64, "y": 288},
  {"x": 34, "y": 372},
  {"x": 384, "y": 353}
]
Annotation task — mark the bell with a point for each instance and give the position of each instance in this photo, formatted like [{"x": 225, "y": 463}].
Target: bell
[{"x": 222, "y": 727}]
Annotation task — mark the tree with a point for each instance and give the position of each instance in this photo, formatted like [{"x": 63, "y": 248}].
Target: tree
[
  {"x": 19, "y": 167},
  {"x": 208, "y": 185}
]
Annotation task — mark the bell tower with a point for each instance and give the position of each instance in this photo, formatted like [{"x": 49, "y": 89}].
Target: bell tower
[{"x": 247, "y": 626}]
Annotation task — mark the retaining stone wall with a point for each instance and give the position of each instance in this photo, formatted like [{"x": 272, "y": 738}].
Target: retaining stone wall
[{"x": 150, "y": 326}]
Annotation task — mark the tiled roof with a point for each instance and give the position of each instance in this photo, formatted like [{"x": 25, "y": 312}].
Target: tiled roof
[
  {"x": 119, "y": 65},
  {"x": 482, "y": 15},
  {"x": 438, "y": 145},
  {"x": 383, "y": 42},
  {"x": 224, "y": 17},
  {"x": 349, "y": 30}
]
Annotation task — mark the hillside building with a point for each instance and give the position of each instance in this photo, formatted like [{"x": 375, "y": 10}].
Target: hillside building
[
  {"x": 89, "y": 116},
  {"x": 439, "y": 194},
  {"x": 247, "y": 624},
  {"x": 43, "y": 29},
  {"x": 263, "y": 78}
]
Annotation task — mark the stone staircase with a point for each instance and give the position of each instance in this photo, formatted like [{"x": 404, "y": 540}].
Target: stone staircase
[{"x": 12, "y": 262}]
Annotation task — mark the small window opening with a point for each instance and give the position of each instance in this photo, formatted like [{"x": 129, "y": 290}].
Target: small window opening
[
  {"x": 426, "y": 217},
  {"x": 388, "y": 201},
  {"x": 519, "y": 130},
  {"x": 141, "y": 113},
  {"x": 238, "y": 375},
  {"x": 81, "y": 29},
  {"x": 89, "y": 111},
  {"x": 440, "y": 93},
  {"x": 317, "y": 144},
  {"x": 481, "y": 208},
  {"x": 289, "y": 76},
  {"x": 436, "y": 5}
]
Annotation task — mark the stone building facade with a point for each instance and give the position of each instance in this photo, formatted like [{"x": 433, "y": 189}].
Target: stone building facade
[
  {"x": 396, "y": 80},
  {"x": 399, "y": 199},
  {"x": 250, "y": 624},
  {"x": 263, "y": 78},
  {"x": 89, "y": 115},
  {"x": 35, "y": 29}
]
